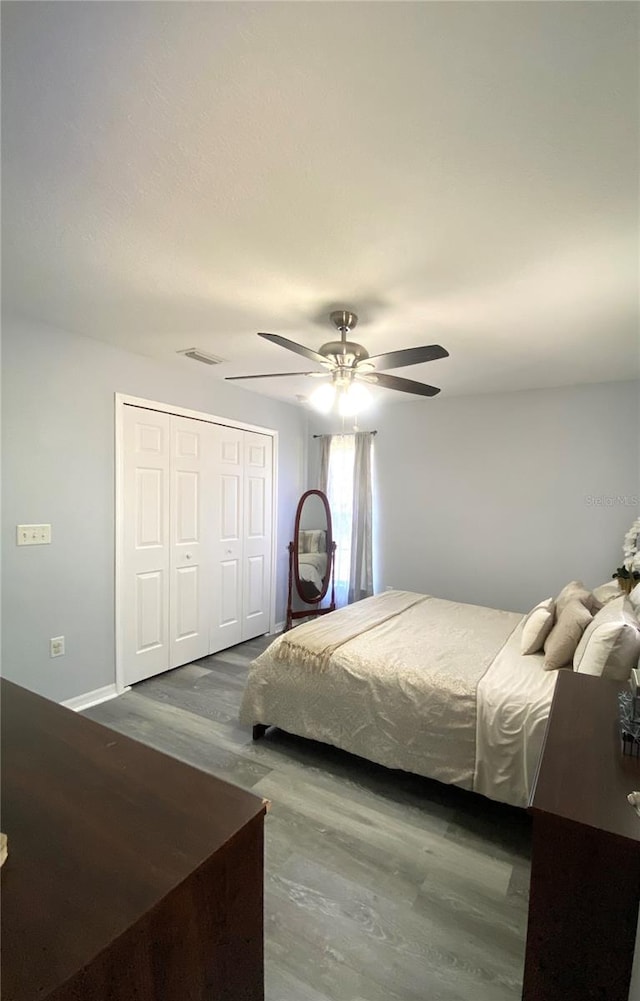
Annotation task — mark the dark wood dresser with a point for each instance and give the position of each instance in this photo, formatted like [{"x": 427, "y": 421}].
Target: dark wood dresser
[
  {"x": 130, "y": 875},
  {"x": 585, "y": 871}
]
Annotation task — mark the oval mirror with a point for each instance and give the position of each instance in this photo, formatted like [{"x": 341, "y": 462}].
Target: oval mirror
[{"x": 313, "y": 546}]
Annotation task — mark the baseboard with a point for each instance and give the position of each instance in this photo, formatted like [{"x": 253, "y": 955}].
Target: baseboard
[
  {"x": 94, "y": 698},
  {"x": 278, "y": 628}
]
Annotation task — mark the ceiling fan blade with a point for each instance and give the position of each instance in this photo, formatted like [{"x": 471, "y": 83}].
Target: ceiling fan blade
[
  {"x": 270, "y": 375},
  {"x": 299, "y": 349},
  {"x": 404, "y": 385},
  {"x": 408, "y": 356}
]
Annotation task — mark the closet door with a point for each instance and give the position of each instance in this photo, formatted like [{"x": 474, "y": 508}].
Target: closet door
[
  {"x": 190, "y": 557},
  {"x": 145, "y": 563},
  {"x": 258, "y": 490},
  {"x": 226, "y": 514},
  {"x": 195, "y": 569}
]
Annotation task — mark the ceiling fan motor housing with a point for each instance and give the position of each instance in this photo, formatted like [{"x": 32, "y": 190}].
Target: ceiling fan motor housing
[{"x": 344, "y": 352}]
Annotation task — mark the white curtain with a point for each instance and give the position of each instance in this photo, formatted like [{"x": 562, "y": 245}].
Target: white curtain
[
  {"x": 325, "y": 449},
  {"x": 345, "y": 476},
  {"x": 361, "y": 570}
]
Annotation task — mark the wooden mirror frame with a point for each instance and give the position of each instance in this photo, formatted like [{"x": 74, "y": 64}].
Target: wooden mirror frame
[
  {"x": 293, "y": 565},
  {"x": 296, "y": 545}
]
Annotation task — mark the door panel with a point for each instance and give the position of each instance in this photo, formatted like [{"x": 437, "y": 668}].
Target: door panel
[
  {"x": 230, "y": 612},
  {"x": 227, "y": 543},
  {"x": 255, "y": 589},
  {"x": 186, "y": 599},
  {"x": 150, "y": 504},
  {"x": 257, "y": 454},
  {"x": 187, "y": 500},
  {"x": 150, "y": 588},
  {"x": 230, "y": 511},
  {"x": 149, "y": 438},
  {"x": 191, "y": 483},
  {"x": 256, "y": 528},
  {"x": 258, "y": 480},
  {"x": 186, "y": 443},
  {"x": 145, "y": 544},
  {"x": 231, "y": 448}
]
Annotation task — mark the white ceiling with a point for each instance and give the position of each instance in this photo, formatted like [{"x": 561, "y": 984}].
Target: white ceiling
[{"x": 186, "y": 174}]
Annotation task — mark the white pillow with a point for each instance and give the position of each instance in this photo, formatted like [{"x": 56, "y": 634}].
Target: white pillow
[
  {"x": 610, "y": 646},
  {"x": 607, "y": 592},
  {"x": 634, "y": 598},
  {"x": 312, "y": 540},
  {"x": 537, "y": 626},
  {"x": 303, "y": 541}
]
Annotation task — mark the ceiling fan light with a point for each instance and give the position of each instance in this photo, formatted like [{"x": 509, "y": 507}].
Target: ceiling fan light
[
  {"x": 353, "y": 399},
  {"x": 323, "y": 397}
]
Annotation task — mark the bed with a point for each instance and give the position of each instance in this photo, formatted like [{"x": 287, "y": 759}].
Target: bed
[{"x": 430, "y": 686}]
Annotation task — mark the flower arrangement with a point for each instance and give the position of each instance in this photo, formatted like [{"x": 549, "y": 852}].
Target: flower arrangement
[{"x": 628, "y": 574}]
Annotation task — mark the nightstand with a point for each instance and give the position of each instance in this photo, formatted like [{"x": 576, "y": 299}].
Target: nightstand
[{"x": 585, "y": 870}]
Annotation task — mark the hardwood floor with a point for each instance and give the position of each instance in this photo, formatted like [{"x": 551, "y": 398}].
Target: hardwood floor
[{"x": 380, "y": 886}]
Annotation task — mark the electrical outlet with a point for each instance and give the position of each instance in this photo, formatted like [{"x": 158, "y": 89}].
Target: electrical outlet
[
  {"x": 33, "y": 535},
  {"x": 56, "y": 646}
]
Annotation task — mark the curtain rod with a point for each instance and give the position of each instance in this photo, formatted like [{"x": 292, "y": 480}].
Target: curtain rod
[{"x": 344, "y": 434}]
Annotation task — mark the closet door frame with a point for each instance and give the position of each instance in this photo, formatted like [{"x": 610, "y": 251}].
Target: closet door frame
[{"x": 121, "y": 401}]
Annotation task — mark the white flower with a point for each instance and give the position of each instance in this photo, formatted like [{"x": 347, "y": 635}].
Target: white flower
[{"x": 630, "y": 543}]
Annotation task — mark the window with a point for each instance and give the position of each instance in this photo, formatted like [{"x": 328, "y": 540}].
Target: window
[
  {"x": 348, "y": 461},
  {"x": 340, "y": 494}
]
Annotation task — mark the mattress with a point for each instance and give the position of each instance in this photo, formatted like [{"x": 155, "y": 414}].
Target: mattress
[{"x": 411, "y": 681}]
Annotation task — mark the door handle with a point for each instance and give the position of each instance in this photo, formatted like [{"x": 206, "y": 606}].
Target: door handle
[{"x": 187, "y": 556}]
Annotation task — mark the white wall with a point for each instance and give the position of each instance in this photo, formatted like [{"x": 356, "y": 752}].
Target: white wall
[
  {"x": 501, "y": 499},
  {"x": 58, "y": 467}
]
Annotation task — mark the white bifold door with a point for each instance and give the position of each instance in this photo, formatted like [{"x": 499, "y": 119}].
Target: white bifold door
[
  {"x": 242, "y": 514},
  {"x": 196, "y": 514},
  {"x": 190, "y": 488}
]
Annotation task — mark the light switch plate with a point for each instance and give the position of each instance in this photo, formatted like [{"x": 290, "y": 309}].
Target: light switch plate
[{"x": 33, "y": 535}]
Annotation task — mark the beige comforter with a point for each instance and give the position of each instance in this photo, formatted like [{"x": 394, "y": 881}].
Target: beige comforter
[
  {"x": 314, "y": 643},
  {"x": 395, "y": 679}
]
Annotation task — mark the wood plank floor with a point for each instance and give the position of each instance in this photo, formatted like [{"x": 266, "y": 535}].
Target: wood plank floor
[{"x": 379, "y": 886}]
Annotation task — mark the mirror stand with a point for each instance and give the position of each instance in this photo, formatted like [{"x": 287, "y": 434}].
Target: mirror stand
[{"x": 313, "y": 609}]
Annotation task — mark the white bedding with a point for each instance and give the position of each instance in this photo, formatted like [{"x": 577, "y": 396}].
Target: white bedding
[
  {"x": 514, "y": 698},
  {"x": 311, "y": 569},
  {"x": 317, "y": 560},
  {"x": 434, "y": 687},
  {"x": 307, "y": 572}
]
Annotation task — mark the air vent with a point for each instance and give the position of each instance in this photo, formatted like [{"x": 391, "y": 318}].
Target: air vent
[{"x": 202, "y": 356}]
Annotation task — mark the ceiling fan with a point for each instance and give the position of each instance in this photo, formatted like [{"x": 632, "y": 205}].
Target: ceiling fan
[{"x": 349, "y": 365}]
